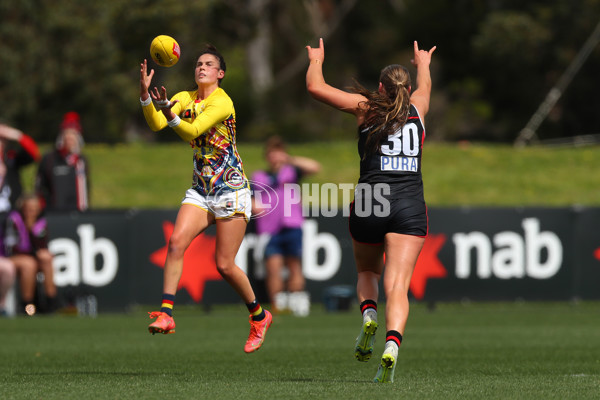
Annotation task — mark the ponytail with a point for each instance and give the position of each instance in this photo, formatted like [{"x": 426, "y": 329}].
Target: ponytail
[{"x": 387, "y": 110}]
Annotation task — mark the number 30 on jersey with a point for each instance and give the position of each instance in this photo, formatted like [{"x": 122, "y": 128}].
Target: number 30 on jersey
[{"x": 401, "y": 150}]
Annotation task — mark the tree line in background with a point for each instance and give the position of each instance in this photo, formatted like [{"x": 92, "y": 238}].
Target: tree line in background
[{"x": 496, "y": 61}]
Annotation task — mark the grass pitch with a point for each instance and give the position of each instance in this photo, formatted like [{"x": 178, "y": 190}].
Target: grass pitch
[{"x": 457, "y": 351}]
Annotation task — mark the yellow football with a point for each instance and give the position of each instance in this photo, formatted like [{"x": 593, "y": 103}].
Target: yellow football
[{"x": 165, "y": 51}]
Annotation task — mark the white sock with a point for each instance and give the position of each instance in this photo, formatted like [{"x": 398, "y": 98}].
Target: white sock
[
  {"x": 391, "y": 348},
  {"x": 370, "y": 314}
]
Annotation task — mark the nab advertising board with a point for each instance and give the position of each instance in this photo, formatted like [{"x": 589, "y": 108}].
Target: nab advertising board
[{"x": 471, "y": 253}]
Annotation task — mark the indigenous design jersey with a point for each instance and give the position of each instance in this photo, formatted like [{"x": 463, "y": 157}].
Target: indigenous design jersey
[
  {"x": 209, "y": 126},
  {"x": 398, "y": 161}
]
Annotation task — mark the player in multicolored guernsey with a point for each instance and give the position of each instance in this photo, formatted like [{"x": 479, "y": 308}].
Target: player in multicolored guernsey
[
  {"x": 389, "y": 215},
  {"x": 220, "y": 191}
]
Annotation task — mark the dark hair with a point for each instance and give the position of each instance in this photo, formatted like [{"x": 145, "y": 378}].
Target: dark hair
[
  {"x": 274, "y": 143},
  {"x": 210, "y": 49},
  {"x": 24, "y": 197},
  {"x": 389, "y": 110}
]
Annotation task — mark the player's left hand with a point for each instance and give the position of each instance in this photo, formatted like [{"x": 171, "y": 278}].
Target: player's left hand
[
  {"x": 161, "y": 99},
  {"x": 145, "y": 77},
  {"x": 316, "y": 53},
  {"x": 422, "y": 57}
]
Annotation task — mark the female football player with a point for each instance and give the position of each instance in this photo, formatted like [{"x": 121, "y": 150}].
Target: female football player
[
  {"x": 388, "y": 214},
  {"x": 220, "y": 192}
]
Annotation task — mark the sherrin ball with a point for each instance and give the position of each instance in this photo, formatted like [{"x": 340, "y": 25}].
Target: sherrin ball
[{"x": 165, "y": 51}]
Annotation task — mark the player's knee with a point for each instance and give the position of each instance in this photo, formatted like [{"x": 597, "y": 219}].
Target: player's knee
[
  {"x": 397, "y": 286},
  {"x": 224, "y": 265},
  {"x": 177, "y": 246}
]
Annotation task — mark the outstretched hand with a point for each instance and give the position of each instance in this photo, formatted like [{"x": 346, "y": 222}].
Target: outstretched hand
[
  {"x": 422, "y": 57},
  {"x": 161, "y": 99},
  {"x": 316, "y": 53},
  {"x": 145, "y": 78}
]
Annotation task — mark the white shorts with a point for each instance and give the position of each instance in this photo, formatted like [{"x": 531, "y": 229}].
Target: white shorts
[{"x": 232, "y": 204}]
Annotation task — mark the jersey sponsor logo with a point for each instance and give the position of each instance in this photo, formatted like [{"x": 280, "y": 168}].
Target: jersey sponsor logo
[
  {"x": 406, "y": 164},
  {"x": 234, "y": 179}
]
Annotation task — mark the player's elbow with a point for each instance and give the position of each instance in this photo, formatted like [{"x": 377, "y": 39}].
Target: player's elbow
[
  {"x": 316, "y": 91},
  {"x": 313, "y": 89}
]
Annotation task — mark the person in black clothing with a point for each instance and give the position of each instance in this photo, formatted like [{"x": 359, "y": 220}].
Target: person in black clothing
[
  {"x": 388, "y": 215},
  {"x": 62, "y": 179}
]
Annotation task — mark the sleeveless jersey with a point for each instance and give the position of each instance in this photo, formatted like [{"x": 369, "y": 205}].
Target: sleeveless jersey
[
  {"x": 398, "y": 160},
  {"x": 209, "y": 126}
]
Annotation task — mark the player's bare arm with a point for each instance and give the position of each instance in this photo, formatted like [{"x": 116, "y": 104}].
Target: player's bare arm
[
  {"x": 420, "y": 97},
  {"x": 322, "y": 91}
]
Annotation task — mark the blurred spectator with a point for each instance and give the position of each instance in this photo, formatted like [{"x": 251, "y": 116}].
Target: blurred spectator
[
  {"x": 11, "y": 162},
  {"x": 7, "y": 279},
  {"x": 26, "y": 242},
  {"x": 63, "y": 174},
  {"x": 12, "y": 159},
  {"x": 284, "y": 248}
]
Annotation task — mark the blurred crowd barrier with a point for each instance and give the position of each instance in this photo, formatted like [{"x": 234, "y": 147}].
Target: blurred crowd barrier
[{"x": 116, "y": 258}]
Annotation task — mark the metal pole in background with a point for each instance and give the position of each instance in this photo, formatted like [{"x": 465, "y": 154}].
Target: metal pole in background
[{"x": 528, "y": 133}]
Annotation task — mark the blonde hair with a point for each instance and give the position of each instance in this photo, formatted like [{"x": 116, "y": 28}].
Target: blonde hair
[{"x": 387, "y": 110}]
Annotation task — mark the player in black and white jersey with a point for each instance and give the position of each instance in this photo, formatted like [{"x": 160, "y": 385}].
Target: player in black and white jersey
[{"x": 388, "y": 214}]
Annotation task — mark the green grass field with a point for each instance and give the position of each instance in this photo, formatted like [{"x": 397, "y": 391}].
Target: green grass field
[{"x": 457, "y": 351}]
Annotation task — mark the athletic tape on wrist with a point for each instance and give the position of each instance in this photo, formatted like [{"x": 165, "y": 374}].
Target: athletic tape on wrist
[
  {"x": 174, "y": 122},
  {"x": 163, "y": 103},
  {"x": 146, "y": 102}
]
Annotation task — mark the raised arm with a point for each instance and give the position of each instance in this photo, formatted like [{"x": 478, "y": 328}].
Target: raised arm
[
  {"x": 307, "y": 165},
  {"x": 156, "y": 120},
  {"x": 421, "y": 96},
  {"x": 30, "y": 147},
  {"x": 10, "y": 133},
  {"x": 320, "y": 90}
]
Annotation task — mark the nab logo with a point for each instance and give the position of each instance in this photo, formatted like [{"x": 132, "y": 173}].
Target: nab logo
[
  {"x": 76, "y": 263},
  {"x": 536, "y": 254},
  {"x": 321, "y": 253}
]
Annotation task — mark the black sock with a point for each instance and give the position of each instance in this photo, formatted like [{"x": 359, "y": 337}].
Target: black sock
[
  {"x": 393, "y": 336},
  {"x": 368, "y": 304},
  {"x": 256, "y": 311}
]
